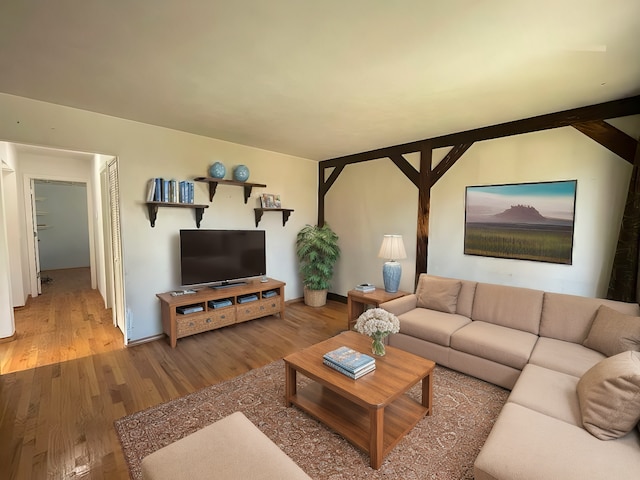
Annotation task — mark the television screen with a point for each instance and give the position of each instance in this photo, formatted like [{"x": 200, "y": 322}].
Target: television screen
[{"x": 219, "y": 256}]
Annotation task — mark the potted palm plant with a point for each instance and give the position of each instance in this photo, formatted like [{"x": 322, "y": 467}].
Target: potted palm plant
[{"x": 318, "y": 251}]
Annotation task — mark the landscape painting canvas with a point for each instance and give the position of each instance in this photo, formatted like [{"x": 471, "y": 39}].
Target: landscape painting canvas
[{"x": 526, "y": 221}]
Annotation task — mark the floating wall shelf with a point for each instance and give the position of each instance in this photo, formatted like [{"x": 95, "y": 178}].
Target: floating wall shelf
[
  {"x": 286, "y": 212},
  {"x": 214, "y": 182},
  {"x": 153, "y": 210}
]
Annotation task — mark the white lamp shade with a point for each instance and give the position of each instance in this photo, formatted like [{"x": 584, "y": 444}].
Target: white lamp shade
[{"x": 392, "y": 248}]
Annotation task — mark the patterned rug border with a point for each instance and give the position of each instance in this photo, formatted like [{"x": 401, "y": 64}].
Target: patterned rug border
[{"x": 442, "y": 446}]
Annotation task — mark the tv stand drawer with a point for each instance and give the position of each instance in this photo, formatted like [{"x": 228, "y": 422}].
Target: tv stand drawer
[
  {"x": 201, "y": 322},
  {"x": 259, "y": 308}
]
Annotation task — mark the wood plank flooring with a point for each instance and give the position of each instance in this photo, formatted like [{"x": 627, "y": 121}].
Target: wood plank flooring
[{"x": 67, "y": 377}]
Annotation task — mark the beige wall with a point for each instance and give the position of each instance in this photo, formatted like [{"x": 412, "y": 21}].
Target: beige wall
[
  {"x": 367, "y": 201},
  {"x": 151, "y": 262}
]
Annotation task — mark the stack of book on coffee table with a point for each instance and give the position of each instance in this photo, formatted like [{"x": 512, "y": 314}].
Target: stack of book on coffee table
[{"x": 349, "y": 362}]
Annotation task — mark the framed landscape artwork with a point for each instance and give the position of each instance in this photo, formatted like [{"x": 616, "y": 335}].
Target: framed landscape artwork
[{"x": 525, "y": 221}]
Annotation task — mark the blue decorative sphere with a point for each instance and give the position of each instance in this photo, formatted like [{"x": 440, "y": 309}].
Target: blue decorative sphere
[
  {"x": 217, "y": 170},
  {"x": 241, "y": 173}
]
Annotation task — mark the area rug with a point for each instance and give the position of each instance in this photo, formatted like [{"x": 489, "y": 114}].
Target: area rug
[{"x": 441, "y": 446}]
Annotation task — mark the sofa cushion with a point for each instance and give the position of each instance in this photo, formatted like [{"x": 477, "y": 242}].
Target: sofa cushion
[
  {"x": 569, "y": 317},
  {"x": 613, "y": 332},
  {"x": 549, "y": 392},
  {"x": 465, "y": 296},
  {"x": 484, "y": 369},
  {"x": 500, "y": 344},
  {"x": 422, "y": 348},
  {"x": 528, "y": 445},
  {"x": 439, "y": 294},
  {"x": 567, "y": 357},
  {"x": 431, "y": 325},
  {"x": 609, "y": 396},
  {"x": 512, "y": 307}
]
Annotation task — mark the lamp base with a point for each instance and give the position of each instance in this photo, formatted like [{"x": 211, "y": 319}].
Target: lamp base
[{"x": 391, "y": 273}]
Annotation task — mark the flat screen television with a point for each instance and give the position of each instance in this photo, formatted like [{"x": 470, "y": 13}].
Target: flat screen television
[{"x": 222, "y": 257}]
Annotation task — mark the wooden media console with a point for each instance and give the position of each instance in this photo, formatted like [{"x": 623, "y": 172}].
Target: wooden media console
[{"x": 264, "y": 299}]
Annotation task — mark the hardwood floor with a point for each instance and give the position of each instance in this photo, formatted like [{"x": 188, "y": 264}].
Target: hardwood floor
[{"x": 67, "y": 377}]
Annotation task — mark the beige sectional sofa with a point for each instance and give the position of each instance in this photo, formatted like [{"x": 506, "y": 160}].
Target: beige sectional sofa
[{"x": 566, "y": 359}]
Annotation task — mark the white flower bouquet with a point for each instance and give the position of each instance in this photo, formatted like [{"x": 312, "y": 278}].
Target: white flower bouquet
[{"x": 377, "y": 323}]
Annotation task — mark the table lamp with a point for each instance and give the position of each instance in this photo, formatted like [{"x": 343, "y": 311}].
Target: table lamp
[{"x": 392, "y": 249}]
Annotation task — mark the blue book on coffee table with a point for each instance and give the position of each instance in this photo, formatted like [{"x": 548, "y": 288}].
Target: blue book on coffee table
[{"x": 349, "y": 359}]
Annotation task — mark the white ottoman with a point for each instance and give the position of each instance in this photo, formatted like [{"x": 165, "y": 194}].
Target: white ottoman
[{"x": 230, "y": 448}]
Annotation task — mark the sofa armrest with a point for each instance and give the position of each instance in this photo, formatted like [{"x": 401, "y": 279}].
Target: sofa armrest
[{"x": 401, "y": 305}]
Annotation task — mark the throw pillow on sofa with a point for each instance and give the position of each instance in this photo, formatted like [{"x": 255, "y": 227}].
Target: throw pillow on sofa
[
  {"x": 438, "y": 294},
  {"x": 613, "y": 332},
  {"x": 609, "y": 396}
]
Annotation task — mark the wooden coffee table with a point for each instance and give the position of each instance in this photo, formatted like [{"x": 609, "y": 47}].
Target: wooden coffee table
[{"x": 372, "y": 412}]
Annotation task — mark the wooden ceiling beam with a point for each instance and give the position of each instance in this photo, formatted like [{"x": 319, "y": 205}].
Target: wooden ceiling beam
[
  {"x": 600, "y": 111},
  {"x": 424, "y": 206},
  {"x": 331, "y": 180},
  {"x": 609, "y": 137},
  {"x": 406, "y": 168},
  {"x": 447, "y": 162}
]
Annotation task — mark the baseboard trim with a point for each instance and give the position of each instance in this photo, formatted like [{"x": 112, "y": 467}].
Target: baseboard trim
[
  {"x": 336, "y": 298},
  {"x": 140, "y": 341},
  {"x": 9, "y": 339},
  {"x": 330, "y": 296}
]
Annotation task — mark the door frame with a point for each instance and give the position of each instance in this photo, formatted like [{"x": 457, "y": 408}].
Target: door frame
[
  {"x": 28, "y": 180},
  {"x": 113, "y": 248}
]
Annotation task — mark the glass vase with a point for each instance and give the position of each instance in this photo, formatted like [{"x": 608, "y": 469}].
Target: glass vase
[{"x": 377, "y": 346}]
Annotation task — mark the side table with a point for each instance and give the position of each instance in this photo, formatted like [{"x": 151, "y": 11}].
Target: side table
[{"x": 357, "y": 302}]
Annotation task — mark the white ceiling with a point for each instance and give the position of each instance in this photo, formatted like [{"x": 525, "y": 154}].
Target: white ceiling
[{"x": 321, "y": 78}]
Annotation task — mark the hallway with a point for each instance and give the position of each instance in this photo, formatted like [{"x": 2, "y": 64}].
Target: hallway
[{"x": 67, "y": 321}]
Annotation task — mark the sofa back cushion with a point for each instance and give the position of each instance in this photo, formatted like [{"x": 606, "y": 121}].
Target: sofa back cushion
[
  {"x": 569, "y": 317},
  {"x": 466, "y": 292},
  {"x": 613, "y": 332},
  {"x": 439, "y": 294},
  {"x": 512, "y": 307},
  {"x": 466, "y": 297}
]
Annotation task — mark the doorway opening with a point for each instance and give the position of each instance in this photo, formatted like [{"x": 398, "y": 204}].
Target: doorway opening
[
  {"x": 68, "y": 199},
  {"x": 63, "y": 233}
]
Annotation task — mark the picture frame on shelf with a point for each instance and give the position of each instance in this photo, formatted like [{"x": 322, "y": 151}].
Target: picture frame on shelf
[{"x": 269, "y": 200}]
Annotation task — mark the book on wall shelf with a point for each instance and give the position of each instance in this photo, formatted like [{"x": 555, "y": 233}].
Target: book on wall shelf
[
  {"x": 151, "y": 190},
  {"x": 170, "y": 191}
]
